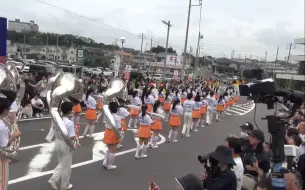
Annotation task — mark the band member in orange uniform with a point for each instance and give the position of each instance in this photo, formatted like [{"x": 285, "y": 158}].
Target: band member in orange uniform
[
  {"x": 76, "y": 110},
  {"x": 110, "y": 137},
  {"x": 157, "y": 124},
  {"x": 148, "y": 99},
  {"x": 183, "y": 95},
  {"x": 175, "y": 121},
  {"x": 167, "y": 104},
  {"x": 99, "y": 106},
  {"x": 203, "y": 110},
  {"x": 161, "y": 97},
  {"x": 90, "y": 113},
  {"x": 123, "y": 113},
  {"x": 143, "y": 132},
  {"x": 135, "y": 101},
  {"x": 220, "y": 107},
  {"x": 196, "y": 112}
]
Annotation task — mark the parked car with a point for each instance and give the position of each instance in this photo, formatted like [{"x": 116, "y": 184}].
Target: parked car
[
  {"x": 108, "y": 72},
  {"x": 42, "y": 69},
  {"x": 95, "y": 71},
  {"x": 21, "y": 67}
]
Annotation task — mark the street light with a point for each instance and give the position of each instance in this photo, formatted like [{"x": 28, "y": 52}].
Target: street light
[
  {"x": 123, "y": 40},
  {"x": 168, "y": 24}
]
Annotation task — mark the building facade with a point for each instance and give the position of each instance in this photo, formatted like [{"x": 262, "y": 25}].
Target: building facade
[
  {"x": 18, "y": 26},
  {"x": 299, "y": 58}
]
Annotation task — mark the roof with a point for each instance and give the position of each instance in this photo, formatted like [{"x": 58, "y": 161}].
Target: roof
[
  {"x": 162, "y": 54},
  {"x": 123, "y": 53},
  {"x": 130, "y": 50},
  {"x": 225, "y": 61},
  {"x": 95, "y": 50}
]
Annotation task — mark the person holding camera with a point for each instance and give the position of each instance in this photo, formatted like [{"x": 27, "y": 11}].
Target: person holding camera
[
  {"x": 219, "y": 165},
  {"x": 256, "y": 157}
]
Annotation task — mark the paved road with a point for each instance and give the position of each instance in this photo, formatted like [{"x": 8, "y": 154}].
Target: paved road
[{"x": 36, "y": 159}]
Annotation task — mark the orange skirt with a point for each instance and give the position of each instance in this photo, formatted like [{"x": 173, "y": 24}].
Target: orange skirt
[
  {"x": 220, "y": 108},
  {"x": 123, "y": 124},
  {"x": 196, "y": 114},
  {"x": 149, "y": 107},
  {"x": 236, "y": 99},
  {"x": 231, "y": 102},
  {"x": 174, "y": 121},
  {"x": 216, "y": 96},
  {"x": 157, "y": 125},
  {"x": 167, "y": 106},
  {"x": 144, "y": 132},
  {"x": 77, "y": 109},
  {"x": 134, "y": 112},
  {"x": 161, "y": 99},
  {"x": 100, "y": 105},
  {"x": 203, "y": 110},
  {"x": 183, "y": 100},
  {"x": 90, "y": 114},
  {"x": 110, "y": 137}
]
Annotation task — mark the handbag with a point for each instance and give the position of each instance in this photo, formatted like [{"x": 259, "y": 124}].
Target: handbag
[{"x": 249, "y": 182}]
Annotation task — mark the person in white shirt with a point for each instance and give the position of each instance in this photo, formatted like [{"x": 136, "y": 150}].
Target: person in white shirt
[
  {"x": 188, "y": 107},
  {"x": 203, "y": 109},
  {"x": 211, "y": 106},
  {"x": 167, "y": 104},
  {"x": 234, "y": 144},
  {"x": 123, "y": 113},
  {"x": 175, "y": 121},
  {"x": 196, "y": 115},
  {"x": 13, "y": 111},
  {"x": 63, "y": 169},
  {"x": 148, "y": 99},
  {"x": 37, "y": 106},
  {"x": 220, "y": 108},
  {"x": 110, "y": 137},
  {"x": 143, "y": 133},
  {"x": 157, "y": 125},
  {"x": 5, "y": 140},
  {"x": 90, "y": 115},
  {"x": 134, "y": 112}
]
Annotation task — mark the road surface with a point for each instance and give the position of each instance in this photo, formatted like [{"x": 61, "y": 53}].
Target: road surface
[{"x": 36, "y": 159}]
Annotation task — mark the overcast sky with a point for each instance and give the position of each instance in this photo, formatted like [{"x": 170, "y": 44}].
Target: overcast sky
[{"x": 246, "y": 26}]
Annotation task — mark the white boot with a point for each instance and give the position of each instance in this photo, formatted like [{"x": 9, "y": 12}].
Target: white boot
[
  {"x": 110, "y": 162},
  {"x": 138, "y": 151},
  {"x": 143, "y": 153}
]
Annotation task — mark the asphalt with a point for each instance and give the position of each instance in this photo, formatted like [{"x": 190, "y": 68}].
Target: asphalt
[{"x": 35, "y": 161}]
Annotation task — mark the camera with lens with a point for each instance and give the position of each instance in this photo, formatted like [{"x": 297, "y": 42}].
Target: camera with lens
[{"x": 203, "y": 159}]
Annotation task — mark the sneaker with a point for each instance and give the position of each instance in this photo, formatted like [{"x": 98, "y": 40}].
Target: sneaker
[
  {"x": 40, "y": 115},
  {"x": 70, "y": 186},
  {"x": 24, "y": 117},
  {"x": 137, "y": 156},
  {"x": 48, "y": 140},
  {"x": 175, "y": 141},
  {"x": 53, "y": 184},
  {"x": 195, "y": 130},
  {"x": 143, "y": 156},
  {"x": 187, "y": 135},
  {"x": 111, "y": 167},
  {"x": 36, "y": 115},
  {"x": 156, "y": 146}
]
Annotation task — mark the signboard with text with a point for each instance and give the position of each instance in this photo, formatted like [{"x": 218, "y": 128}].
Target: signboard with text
[
  {"x": 80, "y": 58},
  {"x": 174, "y": 60}
]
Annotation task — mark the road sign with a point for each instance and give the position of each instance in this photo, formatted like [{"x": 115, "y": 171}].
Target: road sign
[{"x": 80, "y": 53}]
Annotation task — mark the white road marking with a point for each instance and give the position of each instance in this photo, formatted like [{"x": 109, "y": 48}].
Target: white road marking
[
  {"x": 40, "y": 174},
  {"x": 42, "y": 159}
]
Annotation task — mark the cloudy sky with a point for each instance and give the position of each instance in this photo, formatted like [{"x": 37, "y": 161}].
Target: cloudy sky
[{"x": 248, "y": 27}]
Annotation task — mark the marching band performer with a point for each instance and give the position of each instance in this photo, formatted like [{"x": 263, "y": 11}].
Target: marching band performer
[
  {"x": 196, "y": 115},
  {"x": 175, "y": 121},
  {"x": 203, "y": 110},
  {"x": 143, "y": 132},
  {"x": 110, "y": 137},
  {"x": 167, "y": 105},
  {"x": 123, "y": 113},
  {"x": 149, "y": 99},
  {"x": 90, "y": 113},
  {"x": 136, "y": 101},
  {"x": 156, "y": 127},
  {"x": 188, "y": 107},
  {"x": 161, "y": 97},
  {"x": 183, "y": 95},
  {"x": 211, "y": 105},
  {"x": 63, "y": 169},
  {"x": 220, "y": 107},
  {"x": 99, "y": 106},
  {"x": 76, "y": 110},
  {"x": 5, "y": 140}
]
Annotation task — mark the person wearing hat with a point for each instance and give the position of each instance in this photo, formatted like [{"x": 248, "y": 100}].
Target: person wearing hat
[
  {"x": 223, "y": 177},
  {"x": 256, "y": 157}
]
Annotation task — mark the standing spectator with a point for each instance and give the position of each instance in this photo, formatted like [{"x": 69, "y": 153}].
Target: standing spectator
[
  {"x": 256, "y": 157},
  {"x": 37, "y": 106},
  {"x": 301, "y": 128},
  {"x": 293, "y": 181},
  {"x": 42, "y": 88},
  {"x": 235, "y": 146}
]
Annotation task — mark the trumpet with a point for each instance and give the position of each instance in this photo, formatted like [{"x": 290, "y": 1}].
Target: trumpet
[{"x": 9, "y": 78}]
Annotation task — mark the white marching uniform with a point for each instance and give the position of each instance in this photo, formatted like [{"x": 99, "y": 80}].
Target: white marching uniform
[
  {"x": 211, "y": 106},
  {"x": 4, "y": 139},
  {"x": 64, "y": 153},
  {"x": 136, "y": 101},
  {"x": 90, "y": 104},
  {"x": 188, "y": 107}
]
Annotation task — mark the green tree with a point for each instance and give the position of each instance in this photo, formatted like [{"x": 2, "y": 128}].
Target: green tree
[{"x": 159, "y": 49}]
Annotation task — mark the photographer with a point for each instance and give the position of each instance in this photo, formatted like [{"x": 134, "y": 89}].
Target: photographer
[
  {"x": 256, "y": 157},
  {"x": 219, "y": 166}
]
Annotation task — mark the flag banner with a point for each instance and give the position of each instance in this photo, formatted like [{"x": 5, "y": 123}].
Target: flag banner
[{"x": 3, "y": 37}]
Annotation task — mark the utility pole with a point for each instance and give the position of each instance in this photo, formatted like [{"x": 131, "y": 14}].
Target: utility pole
[
  {"x": 47, "y": 48},
  {"x": 142, "y": 38},
  {"x": 168, "y": 24},
  {"x": 56, "y": 47},
  {"x": 266, "y": 53},
  {"x": 288, "y": 58},
  {"x": 23, "y": 49},
  {"x": 277, "y": 54},
  {"x": 199, "y": 35},
  {"x": 232, "y": 55},
  {"x": 150, "y": 52}
]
